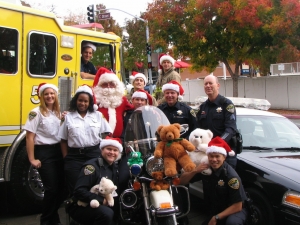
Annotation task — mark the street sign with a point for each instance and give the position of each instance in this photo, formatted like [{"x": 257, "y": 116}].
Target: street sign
[{"x": 103, "y": 16}]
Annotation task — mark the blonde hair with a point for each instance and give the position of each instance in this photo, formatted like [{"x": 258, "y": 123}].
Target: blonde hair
[{"x": 43, "y": 107}]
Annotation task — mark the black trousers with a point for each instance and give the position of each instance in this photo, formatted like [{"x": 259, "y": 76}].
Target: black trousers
[
  {"x": 73, "y": 163},
  {"x": 238, "y": 218},
  {"x": 52, "y": 174}
]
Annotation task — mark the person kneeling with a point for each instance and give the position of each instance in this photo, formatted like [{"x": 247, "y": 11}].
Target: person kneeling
[
  {"x": 90, "y": 175},
  {"x": 223, "y": 189}
]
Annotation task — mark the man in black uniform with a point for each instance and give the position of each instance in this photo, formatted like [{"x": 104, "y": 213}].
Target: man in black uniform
[
  {"x": 177, "y": 112},
  {"x": 223, "y": 189},
  {"x": 90, "y": 175},
  {"x": 87, "y": 69},
  {"x": 218, "y": 115}
]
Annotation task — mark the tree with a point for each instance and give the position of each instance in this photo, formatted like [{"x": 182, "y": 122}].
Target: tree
[{"x": 210, "y": 31}]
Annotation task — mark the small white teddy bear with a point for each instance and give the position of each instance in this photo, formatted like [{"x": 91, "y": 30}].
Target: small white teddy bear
[
  {"x": 106, "y": 188},
  {"x": 200, "y": 139}
]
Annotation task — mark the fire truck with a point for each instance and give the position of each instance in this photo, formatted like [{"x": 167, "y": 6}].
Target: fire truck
[{"x": 36, "y": 47}]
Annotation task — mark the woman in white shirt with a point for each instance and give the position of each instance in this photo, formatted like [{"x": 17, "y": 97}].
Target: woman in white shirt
[
  {"x": 44, "y": 153},
  {"x": 80, "y": 133}
]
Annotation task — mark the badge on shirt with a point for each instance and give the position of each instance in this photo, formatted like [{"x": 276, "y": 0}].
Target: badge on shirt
[
  {"x": 179, "y": 112},
  {"x": 31, "y": 115},
  {"x": 221, "y": 183},
  {"x": 230, "y": 108},
  {"x": 193, "y": 112},
  {"x": 219, "y": 109},
  {"x": 62, "y": 120},
  {"x": 234, "y": 183},
  {"x": 89, "y": 169}
]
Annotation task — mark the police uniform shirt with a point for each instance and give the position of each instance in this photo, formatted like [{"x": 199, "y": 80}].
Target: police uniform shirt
[
  {"x": 88, "y": 67},
  {"x": 222, "y": 188},
  {"x": 180, "y": 113},
  {"x": 83, "y": 132},
  {"x": 45, "y": 128},
  {"x": 90, "y": 175},
  {"x": 218, "y": 117}
]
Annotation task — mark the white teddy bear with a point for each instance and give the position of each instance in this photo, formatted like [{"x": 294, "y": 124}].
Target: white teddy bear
[
  {"x": 200, "y": 139},
  {"x": 106, "y": 188}
]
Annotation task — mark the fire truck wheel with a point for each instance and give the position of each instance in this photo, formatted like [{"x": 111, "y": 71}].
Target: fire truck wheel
[{"x": 26, "y": 184}]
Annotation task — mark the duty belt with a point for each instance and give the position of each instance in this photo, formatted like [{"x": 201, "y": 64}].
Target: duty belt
[{"x": 82, "y": 150}]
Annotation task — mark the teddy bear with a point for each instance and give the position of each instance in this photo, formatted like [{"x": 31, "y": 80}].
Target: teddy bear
[
  {"x": 106, "y": 188},
  {"x": 173, "y": 149},
  {"x": 159, "y": 183},
  {"x": 200, "y": 139},
  {"x": 135, "y": 158}
]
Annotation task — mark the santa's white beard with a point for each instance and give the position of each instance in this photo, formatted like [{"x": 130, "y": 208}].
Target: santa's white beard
[{"x": 108, "y": 97}]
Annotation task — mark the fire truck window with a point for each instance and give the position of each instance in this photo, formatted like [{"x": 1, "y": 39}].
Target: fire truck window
[
  {"x": 8, "y": 50},
  {"x": 42, "y": 54},
  {"x": 102, "y": 57}
]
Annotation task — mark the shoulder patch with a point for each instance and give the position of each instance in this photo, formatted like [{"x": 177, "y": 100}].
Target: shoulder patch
[
  {"x": 89, "y": 169},
  {"x": 234, "y": 183},
  {"x": 230, "y": 108},
  {"x": 32, "y": 115},
  {"x": 62, "y": 120},
  {"x": 194, "y": 112}
]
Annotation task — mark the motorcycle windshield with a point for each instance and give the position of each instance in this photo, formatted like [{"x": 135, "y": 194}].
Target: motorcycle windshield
[{"x": 141, "y": 127}]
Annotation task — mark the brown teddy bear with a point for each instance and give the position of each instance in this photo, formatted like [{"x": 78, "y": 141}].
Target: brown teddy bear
[
  {"x": 173, "y": 150},
  {"x": 159, "y": 183}
]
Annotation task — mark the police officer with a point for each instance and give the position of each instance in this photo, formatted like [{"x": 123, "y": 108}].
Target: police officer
[
  {"x": 218, "y": 115},
  {"x": 44, "y": 153},
  {"x": 80, "y": 133},
  {"x": 223, "y": 189},
  {"x": 177, "y": 112},
  {"x": 90, "y": 175},
  {"x": 87, "y": 69}
]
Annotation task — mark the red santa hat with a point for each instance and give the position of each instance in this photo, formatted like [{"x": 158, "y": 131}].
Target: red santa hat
[
  {"x": 137, "y": 75},
  {"x": 116, "y": 142},
  {"x": 43, "y": 86},
  {"x": 104, "y": 75},
  {"x": 87, "y": 89},
  {"x": 142, "y": 94},
  {"x": 165, "y": 57},
  {"x": 174, "y": 85},
  {"x": 218, "y": 145},
  {"x": 90, "y": 45}
]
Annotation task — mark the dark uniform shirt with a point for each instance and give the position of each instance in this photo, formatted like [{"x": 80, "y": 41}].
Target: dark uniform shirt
[
  {"x": 87, "y": 67},
  {"x": 222, "y": 188},
  {"x": 219, "y": 117},
  {"x": 180, "y": 113},
  {"x": 90, "y": 175}
]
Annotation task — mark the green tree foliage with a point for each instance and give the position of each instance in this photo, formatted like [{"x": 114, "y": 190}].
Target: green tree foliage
[{"x": 210, "y": 31}]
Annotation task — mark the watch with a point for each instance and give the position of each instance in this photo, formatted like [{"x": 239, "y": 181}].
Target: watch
[{"x": 217, "y": 217}]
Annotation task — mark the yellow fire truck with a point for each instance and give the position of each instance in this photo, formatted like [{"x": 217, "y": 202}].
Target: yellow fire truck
[{"x": 36, "y": 47}]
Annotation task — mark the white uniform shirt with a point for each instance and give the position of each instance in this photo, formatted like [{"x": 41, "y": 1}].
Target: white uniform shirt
[
  {"x": 83, "y": 132},
  {"x": 45, "y": 128}
]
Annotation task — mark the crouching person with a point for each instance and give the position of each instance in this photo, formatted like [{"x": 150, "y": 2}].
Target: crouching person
[
  {"x": 90, "y": 175},
  {"x": 223, "y": 191}
]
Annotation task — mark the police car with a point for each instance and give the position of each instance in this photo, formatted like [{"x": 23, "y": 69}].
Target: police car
[{"x": 269, "y": 165}]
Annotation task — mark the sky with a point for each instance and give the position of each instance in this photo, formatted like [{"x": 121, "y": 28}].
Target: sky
[{"x": 133, "y": 7}]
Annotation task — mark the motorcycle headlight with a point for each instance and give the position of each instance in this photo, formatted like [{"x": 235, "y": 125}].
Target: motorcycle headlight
[
  {"x": 291, "y": 198},
  {"x": 154, "y": 164},
  {"x": 128, "y": 198}
]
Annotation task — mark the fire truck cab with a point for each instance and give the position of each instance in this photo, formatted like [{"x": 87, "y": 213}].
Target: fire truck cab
[{"x": 36, "y": 47}]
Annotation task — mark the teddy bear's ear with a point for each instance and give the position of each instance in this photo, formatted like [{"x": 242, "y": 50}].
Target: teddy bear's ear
[
  {"x": 210, "y": 134},
  {"x": 159, "y": 128},
  {"x": 177, "y": 125}
]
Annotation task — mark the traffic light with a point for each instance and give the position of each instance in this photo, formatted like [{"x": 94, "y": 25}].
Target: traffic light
[
  {"x": 91, "y": 13},
  {"x": 148, "y": 49}
]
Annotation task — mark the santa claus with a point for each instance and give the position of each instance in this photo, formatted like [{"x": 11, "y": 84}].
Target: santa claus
[{"x": 109, "y": 91}]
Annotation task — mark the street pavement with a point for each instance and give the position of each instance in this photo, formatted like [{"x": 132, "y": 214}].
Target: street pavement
[{"x": 196, "y": 217}]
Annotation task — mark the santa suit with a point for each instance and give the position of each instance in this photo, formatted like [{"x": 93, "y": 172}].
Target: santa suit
[{"x": 115, "y": 116}]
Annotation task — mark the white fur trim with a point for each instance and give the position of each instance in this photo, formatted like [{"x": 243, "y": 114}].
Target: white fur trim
[
  {"x": 112, "y": 118},
  {"x": 45, "y": 86},
  {"x": 88, "y": 44},
  {"x": 138, "y": 75},
  {"x": 169, "y": 86},
  {"x": 106, "y": 142},
  {"x": 180, "y": 97},
  {"x": 216, "y": 149},
  {"x": 139, "y": 94},
  {"x": 108, "y": 77},
  {"x": 85, "y": 89},
  {"x": 166, "y": 57},
  {"x": 95, "y": 107}
]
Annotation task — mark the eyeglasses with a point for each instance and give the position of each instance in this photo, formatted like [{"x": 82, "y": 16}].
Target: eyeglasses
[{"x": 108, "y": 85}]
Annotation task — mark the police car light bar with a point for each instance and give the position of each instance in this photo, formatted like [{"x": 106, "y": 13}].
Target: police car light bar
[{"x": 251, "y": 103}]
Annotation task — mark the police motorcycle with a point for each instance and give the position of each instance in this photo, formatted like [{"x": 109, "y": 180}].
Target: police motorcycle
[{"x": 139, "y": 204}]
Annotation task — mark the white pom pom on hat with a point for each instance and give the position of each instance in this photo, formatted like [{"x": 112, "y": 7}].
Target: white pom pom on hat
[
  {"x": 87, "y": 89},
  {"x": 218, "y": 145}
]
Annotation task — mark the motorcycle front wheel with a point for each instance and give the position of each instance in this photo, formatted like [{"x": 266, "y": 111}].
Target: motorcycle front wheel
[{"x": 167, "y": 220}]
